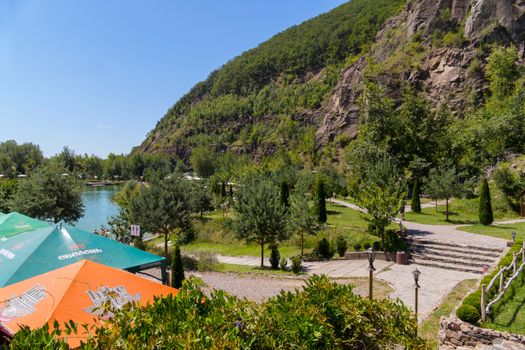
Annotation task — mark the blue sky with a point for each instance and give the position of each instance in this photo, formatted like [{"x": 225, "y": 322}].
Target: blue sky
[{"x": 97, "y": 75}]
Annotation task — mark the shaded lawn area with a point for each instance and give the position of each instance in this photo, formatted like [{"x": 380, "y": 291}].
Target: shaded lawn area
[
  {"x": 214, "y": 235},
  {"x": 251, "y": 269},
  {"x": 461, "y": 212},
  {"x": 510, "y": 316},
  {"x": 499, "y": 231},
  {"x": 430, "y": 327}
]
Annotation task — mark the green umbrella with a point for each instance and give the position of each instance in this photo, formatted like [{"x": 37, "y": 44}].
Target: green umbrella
[
  {"x": 14, "y": 223},
  {"x": 32, "y": 253}
]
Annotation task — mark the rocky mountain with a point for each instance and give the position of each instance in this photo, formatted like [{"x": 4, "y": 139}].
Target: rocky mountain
[{"x": 307, "y": 81}]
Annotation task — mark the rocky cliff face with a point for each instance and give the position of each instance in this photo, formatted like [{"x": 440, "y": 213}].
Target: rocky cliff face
[{"x": 442, "y": 73}]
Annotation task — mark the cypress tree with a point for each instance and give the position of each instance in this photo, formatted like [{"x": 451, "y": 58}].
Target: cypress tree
[
  {"x": 416, "y": 203},
  {"x": 177, "y": 270},
  {"x": 486, "y": 216},
  {"x": 285, "y": 194},
  {"x": 321, "y": 201}
]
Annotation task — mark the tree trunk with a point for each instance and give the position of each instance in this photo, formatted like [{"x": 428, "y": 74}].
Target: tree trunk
[
  {"x": 446, "y": 200},
  {"x": 262, "y": 251},
  {"x": 436, "y": 205},
  {"x": 201, "y": 214},
  {"x": 166, "y": 235},
  {"x": 302, "y": 243}
]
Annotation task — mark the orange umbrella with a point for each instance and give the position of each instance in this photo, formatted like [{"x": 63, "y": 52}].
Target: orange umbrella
[{"x": 73, "y": 292}]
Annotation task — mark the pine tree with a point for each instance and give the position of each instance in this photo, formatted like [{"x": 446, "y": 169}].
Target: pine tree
[
  {"x": 416, "y": 203},
  {"x": 285, "y": 194},
  {"x": 177, "y": 270},
  {"x": 321, "y": 201},
  {"x": 486, "y": 216}
]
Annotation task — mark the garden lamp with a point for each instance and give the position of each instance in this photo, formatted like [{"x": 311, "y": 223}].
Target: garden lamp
[
  {"x": 416, "y": 274},
  {"x": 371, "y": 257}
]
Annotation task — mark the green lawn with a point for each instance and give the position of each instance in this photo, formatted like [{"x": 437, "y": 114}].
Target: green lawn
[
  {"x": 430, "y": 327},
  {"x": 461, "y": 211},
  {"x": 499, "y": 231},
  {"x": 251, "y": 269},
  {"x": 511, "y": 314},
  {"x": 215, "y": 234}
]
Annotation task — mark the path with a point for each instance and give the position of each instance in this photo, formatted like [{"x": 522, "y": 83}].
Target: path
[{"x": 435, "y": 283}]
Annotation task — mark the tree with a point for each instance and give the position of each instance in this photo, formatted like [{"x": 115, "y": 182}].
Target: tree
[
  {"x": 321, "y": 200},
  {"x": 49, "y": 195},
  {"x": 203, "y": 161},
  {"x": 502, "y": 71},
  {"x": 303, "y": 217},
  {"x": 381, "y": 195},
  {"x": 163, "y": 206},
  {"x": 416, "y": 202},
  {"x": 486, "y": 216},
  {"x": 260, "y": 216},
  {"x": 201, "y": 198},
  {"x": 442, "y": 183},
  {"x": 177, "y": 269}
]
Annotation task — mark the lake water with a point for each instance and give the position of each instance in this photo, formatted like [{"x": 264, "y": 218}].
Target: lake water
[{"x": 98, "y": 207}]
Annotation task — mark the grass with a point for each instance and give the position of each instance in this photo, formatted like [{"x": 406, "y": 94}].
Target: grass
[
  {"x": 461, "y": 212},
  {"x": 430, "y": 327},
  {"x": 499, "y": 231},
  {"x": 510, "y": 316},
  {"x": 215, "y": 234},
  {"x": 251, "y": 269}
]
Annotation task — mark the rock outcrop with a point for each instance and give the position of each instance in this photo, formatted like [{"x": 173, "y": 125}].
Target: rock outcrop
[{"x": 443, "y": 73}]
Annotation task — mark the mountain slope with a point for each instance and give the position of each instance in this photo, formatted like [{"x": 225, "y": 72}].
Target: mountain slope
[
  {"x": 289, "y": 76},
  {"x": 300, "y": 90}
]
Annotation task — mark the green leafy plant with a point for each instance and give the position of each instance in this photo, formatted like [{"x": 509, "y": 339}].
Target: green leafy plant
[
  {"x": 323, "y": 249},
  {"x": 275, "y": 257},
  {"x": 296, "y": 264},
  {"x": 468, "y": 314},
  {"x": 341, "y": 245},
  {"x": 283, "y": 264},
  {"x": 357, "y": 247}
]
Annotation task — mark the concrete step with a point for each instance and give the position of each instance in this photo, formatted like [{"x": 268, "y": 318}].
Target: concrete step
[
  {"x": 453, "y": 245},
  {"x": 447, "y": 266},
  {"x": 450, "y": 261},
  {"x": 455, "y": 250},
  {"x": 444, "y": 253}
]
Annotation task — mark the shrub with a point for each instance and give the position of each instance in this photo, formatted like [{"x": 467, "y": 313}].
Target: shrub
[
  {"x": 357, "y": 247},
  {"x": 486, "y": 216},
  {"x": 275, "y": 257},
  {"x": 366, "y": 245},
  {"x": 474, "y": 300},
  {"x": 323, "y": 315},
  {"x": 376, "y": 245},
  {"x": 207, "y": 261},
  {"x": 468, "y": 314},
  {"x": 296, "y": 264},
  {"x": 190, "y": 263},
  {"x": 283, "y": 263},
  {"x": 321, "y": 200},
  {"x": 341, "y": 245},
  {"x": 177, "y": 270},
  {"x": 323, "y": 249},
  {"x": 415, "y": 201}
]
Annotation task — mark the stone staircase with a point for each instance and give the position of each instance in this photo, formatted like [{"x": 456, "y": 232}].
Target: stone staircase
[{"x": 453, "y": 256}]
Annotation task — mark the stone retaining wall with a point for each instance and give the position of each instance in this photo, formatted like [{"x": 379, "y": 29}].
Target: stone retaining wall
[
  {"x": 364, "y": 256},
  {"x": 454, "y": 332}
]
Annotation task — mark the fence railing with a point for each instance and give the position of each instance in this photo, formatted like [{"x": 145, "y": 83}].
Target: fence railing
[{"x": 503, "y": 283}]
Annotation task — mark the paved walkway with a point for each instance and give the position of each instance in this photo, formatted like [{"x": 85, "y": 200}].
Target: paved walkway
[{"x": 435, "y": 283}]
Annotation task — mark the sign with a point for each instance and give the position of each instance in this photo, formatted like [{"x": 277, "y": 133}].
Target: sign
[{"x": 135, "y": 230}]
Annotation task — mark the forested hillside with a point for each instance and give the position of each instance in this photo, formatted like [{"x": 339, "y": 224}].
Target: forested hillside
[
  {"x": 425, "y": 83},
  {"x": 266, "y": 98}
]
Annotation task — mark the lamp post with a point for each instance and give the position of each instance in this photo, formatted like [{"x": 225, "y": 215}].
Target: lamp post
[
  {"x": 416, "y": 274},
  {"x": 513, "y": 236},
  {"x": 371, "y": 257}
]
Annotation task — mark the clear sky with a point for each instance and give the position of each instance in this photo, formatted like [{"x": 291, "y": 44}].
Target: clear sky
[{"x": 97, "y": 75}]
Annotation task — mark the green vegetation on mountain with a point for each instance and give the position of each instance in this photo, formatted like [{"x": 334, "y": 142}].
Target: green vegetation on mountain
[{"x": 248, "y": 103}]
